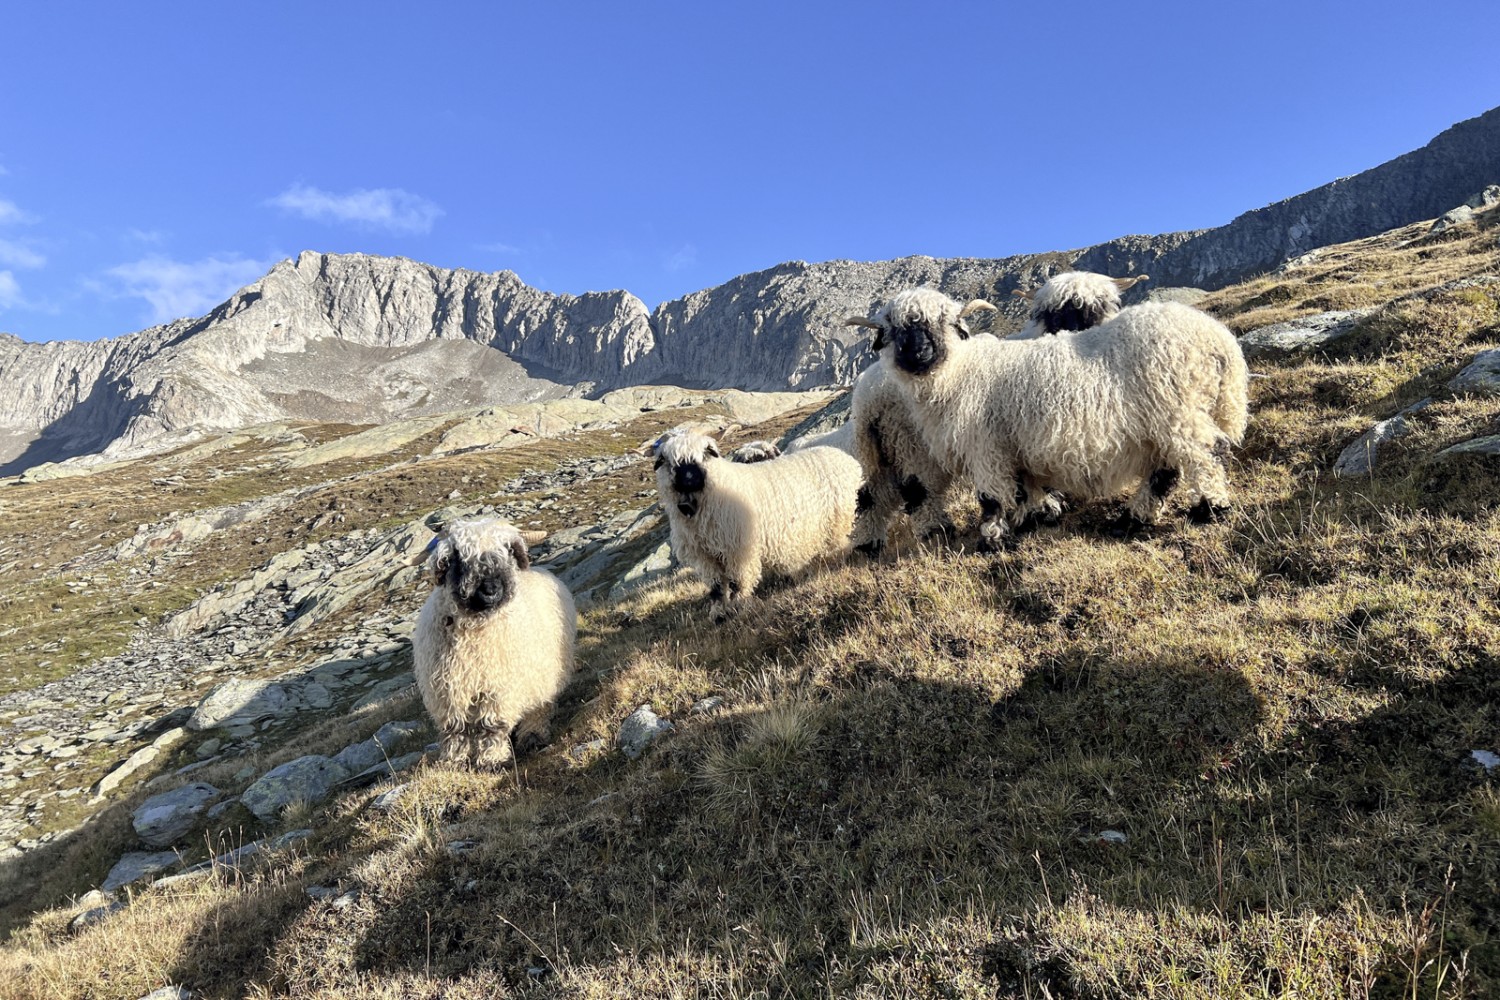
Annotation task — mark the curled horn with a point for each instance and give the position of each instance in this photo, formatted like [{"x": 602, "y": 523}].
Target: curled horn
[
  {"x": 975, "y": 306},
  {"x": 861, "y": 321},
  {"x": 1025, "y": 293},
  {"x": 1125, "y": 283},
  {"x": 533, "y": 537}
]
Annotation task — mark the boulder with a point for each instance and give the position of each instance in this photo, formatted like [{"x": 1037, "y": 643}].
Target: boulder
[
  {"x": 306, "y": 779},
  {"x": 163, "y": 820},
  {"x": 1481, "y": 377},
  {"x": 136, "y": 865},
  {"x": 240, "y": 702},
  {"x": 1298, "y": 335}
]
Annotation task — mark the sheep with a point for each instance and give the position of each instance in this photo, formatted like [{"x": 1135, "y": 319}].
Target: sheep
[
  {"x": 755, "y": 451},
  {"x": 1073, "y": 300},
  {"x": 840, "y": 437},
  {"x": 493, "y": 645},
  {"x": 900, "y": 472},
  {"x": 734, "y": 523},
  {"x": 1156, "y": 394}
]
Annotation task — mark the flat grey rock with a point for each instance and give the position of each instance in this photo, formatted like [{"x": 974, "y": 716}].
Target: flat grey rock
[
  {"x": 240, "y": 702},
  {"x": 1360, "y": 456},
  {"x": 1298, "y": 335},
  {"x": 1481, "y": 377},
  {"x": 136, "y": 865},
  {"x": 1477, "y": 446},
  {"x": 163, "y": 820},
  {"x": 307, "y": 779}
]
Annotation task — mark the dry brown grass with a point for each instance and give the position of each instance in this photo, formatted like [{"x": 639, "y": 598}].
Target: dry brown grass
[{"x": 905, "y": 791}]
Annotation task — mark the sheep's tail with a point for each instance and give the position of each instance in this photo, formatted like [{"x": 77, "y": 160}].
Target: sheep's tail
[{"x": 1232, "y": 407}]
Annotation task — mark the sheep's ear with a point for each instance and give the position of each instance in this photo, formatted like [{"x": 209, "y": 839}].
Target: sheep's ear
[
  {"x": 440, "y": 558},
  {"x": 963, "y": 330},
  {"x": 519, "y": 553},
  {"x": 712, "y": 450},
  {"x": 1125, "y": 284}
]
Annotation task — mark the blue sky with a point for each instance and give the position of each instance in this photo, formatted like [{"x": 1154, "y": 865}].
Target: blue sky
[{"x": 154, "y": 157}]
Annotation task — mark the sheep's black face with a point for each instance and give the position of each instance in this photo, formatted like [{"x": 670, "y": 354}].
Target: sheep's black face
[
  {"x": 482, "y": 584},
  {"x": 917, "y": 351},
  {"x": 1071, "y": 316},
  {"x": 681, "y": 474}
]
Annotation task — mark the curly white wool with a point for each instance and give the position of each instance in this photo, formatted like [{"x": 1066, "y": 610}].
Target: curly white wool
[
  {"x": 483, "y": 674},
  {"x": 1158, "y": 391},
  {"x": 777, "y": 516}
]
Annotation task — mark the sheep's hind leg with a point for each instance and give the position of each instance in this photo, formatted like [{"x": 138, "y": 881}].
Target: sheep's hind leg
[
  {"x": 1208, "y": 481},
  {"x": 1147, "y": 504}
]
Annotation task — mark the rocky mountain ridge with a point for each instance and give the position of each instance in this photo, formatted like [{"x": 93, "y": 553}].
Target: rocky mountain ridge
[{"x": 366, "y": 339}]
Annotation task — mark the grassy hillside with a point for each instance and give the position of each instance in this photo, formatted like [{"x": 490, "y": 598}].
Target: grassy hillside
[{"x": 1231, "y": 761}]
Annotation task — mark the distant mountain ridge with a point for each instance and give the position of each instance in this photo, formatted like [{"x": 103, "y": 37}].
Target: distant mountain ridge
[{"x": 365, "y": 339}]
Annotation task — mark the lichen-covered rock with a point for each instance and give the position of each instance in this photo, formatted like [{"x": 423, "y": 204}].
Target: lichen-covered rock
[
  {"x": 1359, "y": 457},
  {"x": 1304, "y": 334}
]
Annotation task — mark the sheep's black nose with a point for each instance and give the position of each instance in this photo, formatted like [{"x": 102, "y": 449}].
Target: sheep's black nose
[
  {"x": 688, "y": 478},
  {"x": 490, "y": 593}
]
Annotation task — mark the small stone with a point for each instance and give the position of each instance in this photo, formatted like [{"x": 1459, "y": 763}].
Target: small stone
[
  {"x": 642, "y": 728},
  {"x": 169, "y": 993},
  {"x": 1485, "y": 759},
  {"x": 386, "y": 800},
  {"x": 707, "y": 705},
  {"x": 208, "y": 748}
]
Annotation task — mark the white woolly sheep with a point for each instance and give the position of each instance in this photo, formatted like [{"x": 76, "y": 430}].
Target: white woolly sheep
[
  {"x": 899, "y": 470},
  {"x": 1157, "y": 393},
  {"x": 734, "y": 523},
  {"x": 1072, "y": 300},
  {"x": 493, "y": 645}
]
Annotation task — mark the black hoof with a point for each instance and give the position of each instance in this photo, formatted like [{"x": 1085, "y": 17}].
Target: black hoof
[
  {"x": 1127, "y": 526},
  {"x": 1204, "y": 512},
  {"x": 996, "y": 545}
]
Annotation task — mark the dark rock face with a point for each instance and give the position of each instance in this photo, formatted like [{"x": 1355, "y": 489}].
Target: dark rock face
[{"x": 359, "y": 338}]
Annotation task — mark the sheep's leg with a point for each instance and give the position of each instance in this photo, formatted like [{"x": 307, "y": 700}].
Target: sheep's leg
[
  {"x": 1210, "y": 485},
  {"x": 1146, "y": 505},
  {"x": 1202, "y": 460},
  {"x": 1036, "y": 505},
  {"x": 534, "y": 729},
  {"x": 994, "y": 522},
  {"x": 492, "y": 750},
  {"x": 923, "y": 495},
  {"x": 456, "y": 743},
  {"x": 876, "y": 503}
]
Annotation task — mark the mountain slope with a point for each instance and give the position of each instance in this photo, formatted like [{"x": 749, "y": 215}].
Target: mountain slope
[{"x": 353, "y": 333}]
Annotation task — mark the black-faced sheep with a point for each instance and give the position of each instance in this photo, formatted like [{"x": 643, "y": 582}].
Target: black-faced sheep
[
  {"x": 901, "y": 473},
  {"x": 1071, "y": 301},
  {"x": 1156, "y": 394},
  {"x": 734, "y": 523},
  {"x": 493, "y": 645}
]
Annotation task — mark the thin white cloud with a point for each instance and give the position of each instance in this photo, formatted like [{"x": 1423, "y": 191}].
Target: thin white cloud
[
  {"x": 685, "y": 257},
  {"x": 181, "y": 288},
  {"x": 10, "y": 213},
  {"x": 10, "y": 292},
  {"x": 146, "y": 235},
  {"x": 503, "y": 248},
  {"x": 19, "y": 255},
  {"x": 391, "y": 209}
]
